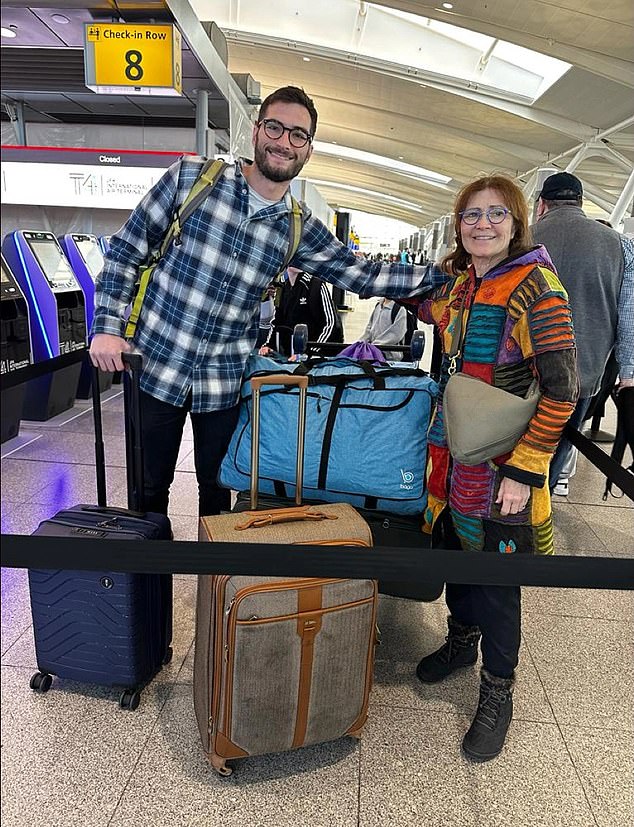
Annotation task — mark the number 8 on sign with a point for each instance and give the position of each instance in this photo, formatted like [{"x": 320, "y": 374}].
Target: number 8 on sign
[{"x": 133, "y": 70}]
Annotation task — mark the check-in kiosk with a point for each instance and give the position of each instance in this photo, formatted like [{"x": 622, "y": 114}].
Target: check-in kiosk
[
  {"x": 57, "y": 311},
  {"x": 86, "y": 259},
  {"x": 15, "y": 348}
]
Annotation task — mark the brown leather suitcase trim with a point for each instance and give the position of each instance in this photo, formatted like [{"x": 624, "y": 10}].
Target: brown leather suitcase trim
[{"x": 308, "y": 627}]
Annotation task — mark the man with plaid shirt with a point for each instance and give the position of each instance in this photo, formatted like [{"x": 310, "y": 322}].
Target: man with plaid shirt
[{"x": 199, "y": 319}]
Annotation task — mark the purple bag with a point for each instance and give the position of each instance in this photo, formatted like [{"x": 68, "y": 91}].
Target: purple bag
[{"x": 363, "y": 351}]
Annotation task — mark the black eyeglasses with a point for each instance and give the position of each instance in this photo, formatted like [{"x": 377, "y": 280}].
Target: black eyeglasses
[
  {"x": 297, "y": 136},
  {"x": 495, "y": 215}
]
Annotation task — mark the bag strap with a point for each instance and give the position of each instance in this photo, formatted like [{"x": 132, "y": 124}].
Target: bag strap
[
  {"x": 295, "y": 227},
  {"x": 203, "y": 185},
  {"x": 455, "y": 351}
]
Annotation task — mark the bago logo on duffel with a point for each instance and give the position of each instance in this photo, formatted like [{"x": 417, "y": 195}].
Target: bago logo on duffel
[{"x": 408, "y": 479}]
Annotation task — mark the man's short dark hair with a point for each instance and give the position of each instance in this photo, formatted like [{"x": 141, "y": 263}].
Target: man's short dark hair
[
  {"x": 577, "y": 201},
  {"x": 291, "y": 94}
]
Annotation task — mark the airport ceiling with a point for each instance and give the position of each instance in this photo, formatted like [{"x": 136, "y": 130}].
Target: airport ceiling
[{"x": 403, "y": 98}]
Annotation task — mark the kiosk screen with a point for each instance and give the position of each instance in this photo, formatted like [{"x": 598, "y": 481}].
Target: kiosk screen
[
  {"x": 92, "y": 256},
  {"x": 53, "y": 263}
]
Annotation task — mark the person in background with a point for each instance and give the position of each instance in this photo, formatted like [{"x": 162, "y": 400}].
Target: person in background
[
  {"x": 596, "y": 266},
  {"x": 387, "y": 325},
  {"x": 518, "y": 327},
  {"x": 267, "y": 312},
  {"x": 303, "y": 299},
  {"x": 200, "y": 315}
]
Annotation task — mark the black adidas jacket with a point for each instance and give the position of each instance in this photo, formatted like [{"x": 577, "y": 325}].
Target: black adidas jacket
[{"x": 307, "y": 302}]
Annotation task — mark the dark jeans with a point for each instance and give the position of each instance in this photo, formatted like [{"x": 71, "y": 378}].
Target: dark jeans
[
  {"x": 565, "y": 446},
  {"x": 162, "y": 434},
  {"x": 497, "y": 611}
]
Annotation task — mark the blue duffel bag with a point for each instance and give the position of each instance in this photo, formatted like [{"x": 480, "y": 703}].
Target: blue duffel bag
[{"x": 366, "y": 434}]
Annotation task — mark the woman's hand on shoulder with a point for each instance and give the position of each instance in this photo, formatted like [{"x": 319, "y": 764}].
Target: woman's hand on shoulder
[{"x": 512, "y": 496}]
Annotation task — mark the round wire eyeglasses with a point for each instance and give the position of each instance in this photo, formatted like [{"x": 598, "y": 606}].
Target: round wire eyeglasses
[
  {"x": 273, "y": 129},
  {"x": 495, "y": 215}
]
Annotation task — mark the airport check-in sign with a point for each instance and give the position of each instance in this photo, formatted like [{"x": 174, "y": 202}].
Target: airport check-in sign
[{"x": 124, "y": 58}]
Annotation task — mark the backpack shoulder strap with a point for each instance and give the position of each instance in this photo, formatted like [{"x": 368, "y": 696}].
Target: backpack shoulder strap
[
  {"x": 295, "y": 227},
  {"x": 204, "y": 183},
  {"x": 207, "y": 179}
]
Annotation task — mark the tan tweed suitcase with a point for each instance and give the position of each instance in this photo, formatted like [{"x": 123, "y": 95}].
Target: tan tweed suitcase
[{"x": 281, "y": 663}]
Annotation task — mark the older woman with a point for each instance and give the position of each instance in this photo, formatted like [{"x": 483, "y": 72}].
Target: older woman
[{"x": 517, "y": 326}]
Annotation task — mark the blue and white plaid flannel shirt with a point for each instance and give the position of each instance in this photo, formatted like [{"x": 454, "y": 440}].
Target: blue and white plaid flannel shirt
[{"x": 199, "y": 319}]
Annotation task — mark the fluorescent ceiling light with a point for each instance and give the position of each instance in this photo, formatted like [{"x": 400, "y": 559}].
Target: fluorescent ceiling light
[
  {"x": 381, "y": 196},
  {"x": 412, "y": 171}
]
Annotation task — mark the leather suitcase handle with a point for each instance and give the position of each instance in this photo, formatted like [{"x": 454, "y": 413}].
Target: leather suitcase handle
[{"x": 259, "y": 519}]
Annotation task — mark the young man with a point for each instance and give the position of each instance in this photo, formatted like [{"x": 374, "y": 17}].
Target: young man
[
  {"x": 199, "y": 319},
  {"x": 303, "y": 299}
]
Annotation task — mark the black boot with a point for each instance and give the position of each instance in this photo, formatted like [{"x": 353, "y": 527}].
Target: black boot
[
  {"x": 459, "y": 650},
  {"x": 487, "y": 733}
]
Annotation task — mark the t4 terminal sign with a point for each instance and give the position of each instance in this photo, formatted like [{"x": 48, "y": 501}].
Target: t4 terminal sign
[{"x": 121, "y": 58}]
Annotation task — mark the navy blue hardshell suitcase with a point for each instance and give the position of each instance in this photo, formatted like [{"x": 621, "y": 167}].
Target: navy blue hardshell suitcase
[{"x": 108, "y": 628}]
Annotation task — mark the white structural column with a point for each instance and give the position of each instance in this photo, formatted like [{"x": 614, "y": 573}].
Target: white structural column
[{"x": 624, "y": 199}]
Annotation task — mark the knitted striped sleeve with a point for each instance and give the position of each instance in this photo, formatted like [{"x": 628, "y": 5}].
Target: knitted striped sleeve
[{"x": 545, "y": 334}]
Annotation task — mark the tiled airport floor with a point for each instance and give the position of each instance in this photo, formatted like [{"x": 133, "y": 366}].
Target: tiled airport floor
[{"x": 71, "y": 758}]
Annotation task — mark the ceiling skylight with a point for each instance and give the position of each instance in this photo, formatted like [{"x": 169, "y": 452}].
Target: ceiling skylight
[
  {"x": 381, "y": 196},
  {"x": 390, "y": 40},
  {"x": 410, "y": 170}
]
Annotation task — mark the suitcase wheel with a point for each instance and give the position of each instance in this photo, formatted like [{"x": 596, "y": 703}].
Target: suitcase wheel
[
  {"x": 218, "y": 763},
  {"x": 169, "y": 654},
  {"x": 129, "y": 699},
  {"x": 41, "y": 682}
]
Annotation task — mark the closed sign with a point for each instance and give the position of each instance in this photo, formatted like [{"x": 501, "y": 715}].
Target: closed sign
[{"x": 120, "y": 57}]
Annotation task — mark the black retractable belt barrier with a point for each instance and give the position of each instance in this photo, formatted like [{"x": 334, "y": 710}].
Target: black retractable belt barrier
[
  {"x": 18, "y": 377},
  {"x": 384, "y": 563},
  {"x": 613, "y": 471}
]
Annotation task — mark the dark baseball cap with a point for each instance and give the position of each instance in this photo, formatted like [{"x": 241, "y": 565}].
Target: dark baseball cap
[{"x": 560, "y": 187}]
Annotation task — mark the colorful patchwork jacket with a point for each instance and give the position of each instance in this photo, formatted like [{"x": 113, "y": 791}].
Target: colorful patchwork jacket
[{"x": 518, "y": 326}]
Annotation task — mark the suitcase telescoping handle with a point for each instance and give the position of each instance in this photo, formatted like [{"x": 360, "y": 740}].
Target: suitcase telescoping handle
[
  {"x": 256, "y": 384},
  {"x": 133, "y": 444}
]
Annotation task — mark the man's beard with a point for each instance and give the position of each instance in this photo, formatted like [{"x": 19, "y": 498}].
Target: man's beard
[{"x": 276, "y": 174}]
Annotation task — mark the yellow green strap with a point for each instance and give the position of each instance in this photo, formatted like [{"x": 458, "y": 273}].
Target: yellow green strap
[
  {"x": 294, "y": 233},
  {"x": 201, "y": 188}
]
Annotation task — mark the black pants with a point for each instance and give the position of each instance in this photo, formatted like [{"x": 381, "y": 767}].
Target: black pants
[
  {"x": 496, "y": 610},
  {"x": 162, "y": 434}
]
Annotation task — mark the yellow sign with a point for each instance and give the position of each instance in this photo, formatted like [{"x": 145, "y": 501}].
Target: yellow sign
[{"x": 141, "y": 58}]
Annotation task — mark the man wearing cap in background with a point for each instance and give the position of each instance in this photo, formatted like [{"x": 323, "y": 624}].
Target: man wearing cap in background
[{"x": 596, "y": 266}]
